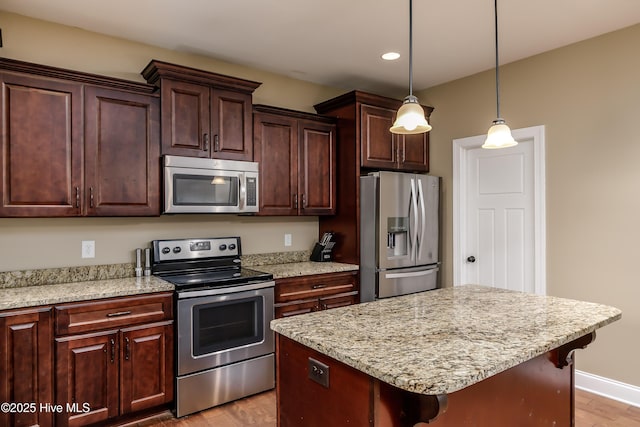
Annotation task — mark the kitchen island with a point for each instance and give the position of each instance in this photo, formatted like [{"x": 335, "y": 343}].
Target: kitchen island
[{"x": 468, "y": 355}]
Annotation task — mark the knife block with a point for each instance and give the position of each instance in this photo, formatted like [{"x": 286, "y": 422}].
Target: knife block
[{"x": 320, "y": 253}]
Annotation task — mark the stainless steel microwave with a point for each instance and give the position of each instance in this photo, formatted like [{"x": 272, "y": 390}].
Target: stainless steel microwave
[{"x": 197, "y": 185}]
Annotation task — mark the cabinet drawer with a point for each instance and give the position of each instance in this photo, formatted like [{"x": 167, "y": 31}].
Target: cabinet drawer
[
  {"x": 97, "y": 315},
  {"x": 300, "y": 288}
]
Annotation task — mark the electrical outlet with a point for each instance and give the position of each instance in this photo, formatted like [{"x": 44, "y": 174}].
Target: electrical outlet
[
  {"x": 287, "y": 239},
  {"x": 318, "y": 372},
  {"x": 88, "y": 249}
]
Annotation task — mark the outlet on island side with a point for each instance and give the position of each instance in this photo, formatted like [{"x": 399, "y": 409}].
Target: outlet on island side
[
  {"x": 287, "y": 239},
  {"x": 88, "y": 249}
]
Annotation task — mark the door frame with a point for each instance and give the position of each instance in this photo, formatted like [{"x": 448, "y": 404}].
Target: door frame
[{"x": 461, "y": 147}]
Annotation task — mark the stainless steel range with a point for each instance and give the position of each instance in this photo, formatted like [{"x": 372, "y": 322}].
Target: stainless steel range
[{"x": 225, "y": 348}]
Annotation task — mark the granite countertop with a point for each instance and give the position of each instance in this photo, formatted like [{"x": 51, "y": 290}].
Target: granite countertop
[
  {"x": 31, "y": 296},
  {"x": 30, "y": 288},
  {"x": 295, "y": 269},
  {"x": 441, "y": 341}
]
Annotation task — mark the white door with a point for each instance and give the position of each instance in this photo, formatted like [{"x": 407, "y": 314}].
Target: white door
[{"x": 499, "y": 213}]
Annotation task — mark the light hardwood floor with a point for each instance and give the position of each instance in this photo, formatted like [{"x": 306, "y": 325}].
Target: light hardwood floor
[{"x": 260, "y": 411}]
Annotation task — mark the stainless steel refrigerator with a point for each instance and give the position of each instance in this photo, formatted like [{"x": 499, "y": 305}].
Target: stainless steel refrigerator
[{"x": 399, "y": 234}]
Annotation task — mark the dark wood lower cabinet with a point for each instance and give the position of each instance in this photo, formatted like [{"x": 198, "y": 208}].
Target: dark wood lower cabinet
[
  {"x": 26, "y": 363},
  {"x": 87, "y": 375},
  {"x": 112, "y": 373},
  {"x": 146, "y": 368},
  {"x": 299, "y": 295}
]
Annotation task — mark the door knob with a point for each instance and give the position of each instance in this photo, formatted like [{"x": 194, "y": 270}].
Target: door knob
[{"x": 471, "y": 259}]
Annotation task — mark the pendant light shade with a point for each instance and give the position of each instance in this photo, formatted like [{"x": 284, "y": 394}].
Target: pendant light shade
[
  {"x": 410, "y": 118},
  {"x": 499, "y": 135}
]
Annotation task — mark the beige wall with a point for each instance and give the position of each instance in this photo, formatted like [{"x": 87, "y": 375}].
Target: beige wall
[
  {"x": 42, "y": 243},
  {"x": 588, "y": 97}
]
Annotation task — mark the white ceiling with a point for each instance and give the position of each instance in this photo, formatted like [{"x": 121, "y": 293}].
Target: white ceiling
[{"x": 339, "y": 42}]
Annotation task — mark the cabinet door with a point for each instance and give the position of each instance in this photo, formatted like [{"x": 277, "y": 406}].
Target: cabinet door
[
  {"x": 87, "y": 375},
  {"x": 231, "y": 125},
  {"x": 40, "y": 147},
  {"x": 414, "y": 155},
  {"x": 316, "y": 170},
  {"x": 276, "y": 150},
  {"x": 185, "y": 119},
  {"x": 26, "y": 365},
  {"x": 379, "y": 147},
  {"x": 122, "y": 153},
  {"x": 146, "y": 378}
]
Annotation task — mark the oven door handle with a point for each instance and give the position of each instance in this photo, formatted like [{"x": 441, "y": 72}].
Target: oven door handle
[{"x": 226, "y": 290}]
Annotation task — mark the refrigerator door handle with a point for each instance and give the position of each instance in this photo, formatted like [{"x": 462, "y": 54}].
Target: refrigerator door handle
[
  {"x": 423, "y": 220},
  {"x": 414, "y": 227},
  {"x": 411, "y": 274}
]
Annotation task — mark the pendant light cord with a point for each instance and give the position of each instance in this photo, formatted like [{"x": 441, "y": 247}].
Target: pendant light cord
[
  {"x": 411, "y": 47},
  {"x": 497, "y": 73}
]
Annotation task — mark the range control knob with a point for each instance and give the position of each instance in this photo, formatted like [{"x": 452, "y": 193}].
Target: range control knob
[
  {"x": 166, "y": 250},
  {"x": 232, "y": 246},
  {"x": 223, "y": 247},
  {"x": 177, "y": 250}
]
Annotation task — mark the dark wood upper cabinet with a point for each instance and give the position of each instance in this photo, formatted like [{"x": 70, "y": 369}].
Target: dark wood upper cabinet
[
  {"x": 77, "y": 144},
  {"x": 40, "y": 146},
  {"x": 316, "y": 167},
  {"x": 296, "y": 153},
  {"x": 122, "y": 167},
  {"x": 383, "y": 150},
  {"x": 203, "y": 114}
]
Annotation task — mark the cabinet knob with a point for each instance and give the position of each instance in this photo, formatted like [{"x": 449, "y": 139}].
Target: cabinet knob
[{"x": 471, "y": 259}]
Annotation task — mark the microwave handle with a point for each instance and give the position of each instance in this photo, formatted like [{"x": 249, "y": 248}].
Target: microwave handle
[{"x": 242, "y": 179}]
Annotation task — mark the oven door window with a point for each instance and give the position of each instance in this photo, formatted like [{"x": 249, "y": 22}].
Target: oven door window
[
  {"x": 205, "y": 190},
  {"x": 228, "y": 324}
]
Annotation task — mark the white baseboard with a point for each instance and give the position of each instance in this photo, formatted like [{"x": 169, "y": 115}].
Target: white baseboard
[{"x": 609, "y": 388}]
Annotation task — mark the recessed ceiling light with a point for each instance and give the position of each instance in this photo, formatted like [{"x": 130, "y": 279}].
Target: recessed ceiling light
[{"x": 391, "y": 56}]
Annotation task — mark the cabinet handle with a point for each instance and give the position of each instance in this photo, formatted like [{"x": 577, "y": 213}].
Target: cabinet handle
[
  {"x": 113, "y": 350},
  {"x": 295, "y": 201},
  {"x": 318, "y": 286},
  {"x": 77, "y": 197},
  {"x": 127, "y": 348},
  {"x": 206, "y": 142},
  {"x": 118, "y": 313},
  {"x": 216, "y": 143},
  {"x": 304, "y": 201},
  {"x": 90, "y": 196}
]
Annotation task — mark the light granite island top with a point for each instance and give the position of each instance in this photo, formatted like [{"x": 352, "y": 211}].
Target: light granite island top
[{"x": 439, "y": 342}]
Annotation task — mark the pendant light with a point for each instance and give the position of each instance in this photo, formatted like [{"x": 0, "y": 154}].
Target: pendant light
[
  {"x": 499, "y": 135},
  {"x": 410, "y": 117}
]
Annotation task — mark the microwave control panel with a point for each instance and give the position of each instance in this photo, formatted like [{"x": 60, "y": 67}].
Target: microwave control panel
[{"x": 252, "y": 191}]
